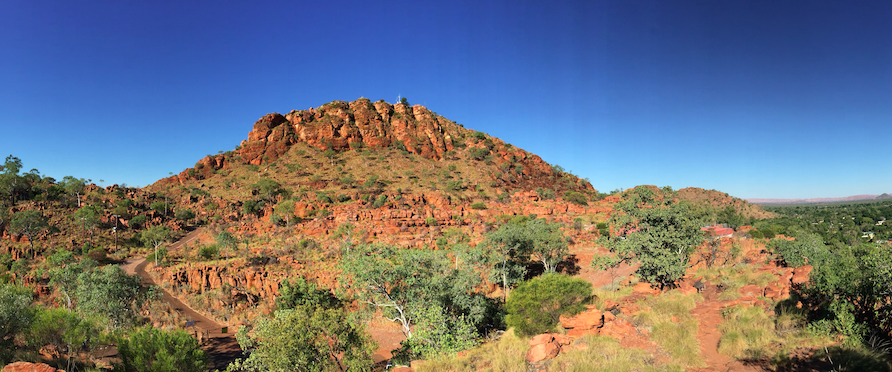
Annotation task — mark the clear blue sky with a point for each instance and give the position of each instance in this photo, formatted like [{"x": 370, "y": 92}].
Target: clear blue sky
[{"x": 777, "y": 99}]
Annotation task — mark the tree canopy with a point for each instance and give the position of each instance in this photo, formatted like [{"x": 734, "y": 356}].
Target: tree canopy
[
  {"x": 148, "y": 349},
  {"x": 514, "y": 244},
  {"x": 653, "y": 228},
  {"x": 420, "y": 289},
  {"x": 311, "y": 331}
]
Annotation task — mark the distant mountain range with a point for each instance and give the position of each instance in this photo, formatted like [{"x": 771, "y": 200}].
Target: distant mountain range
[{"x": 818, "y": 200}]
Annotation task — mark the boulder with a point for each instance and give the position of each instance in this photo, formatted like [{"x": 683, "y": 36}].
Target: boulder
[
  {"x": 645, "y": 288},
  {"x": 591, "y": 318},
  {"x": 29, "y": 367},
  {"x": 542, "y": 352}
]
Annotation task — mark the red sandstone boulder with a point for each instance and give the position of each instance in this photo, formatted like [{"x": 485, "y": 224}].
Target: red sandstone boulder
[
  {"x": 591, "y": 318},
  {"x": 645, "y": 288},
  {"x": 29, "y": 367},
  {"x": 543, "y": 347}
]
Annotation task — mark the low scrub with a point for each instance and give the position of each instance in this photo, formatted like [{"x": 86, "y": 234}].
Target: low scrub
[
  {"x": 536, "y": 305},
  {"x": 668, "y": 316},
  {"x": 599, "y": 353},
  {"x": 735, "y": 277},
  {"x": 505, "y": 354}
]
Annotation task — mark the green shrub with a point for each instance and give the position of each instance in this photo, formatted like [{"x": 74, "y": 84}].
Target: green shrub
[
  {"x": 151, "y": 349},
  {"x": 478, "y": 205},
  {"x": 575, "y": 198},
  {"x": 252, "y": 207},
  {"x": 137, "y": 221},
  {"x": 158, "y": 207},
  {"x": 430, "y": 221},
  {"x": 208, "y": 252},
  {"x": 479, "y": 153},
  {"x": 536, "y": 305},
  {"x": 184, "y": 214},
  {"x": 379, "y": 202}
]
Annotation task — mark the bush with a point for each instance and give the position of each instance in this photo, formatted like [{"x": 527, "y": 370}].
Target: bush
[
  {"x": 478, "y": 205},
  {"x": 430, "y": 221},
  {"x": 536, "y": 305},
  {"x": 252, "y": 207},
  {"x": 208, "y": 252},
  {"x": 138, "y": 221},
  {"x": 379, "y": 202},
  {"x": 184, "y": 214},
  {"x": 151, "y": 349},
  {"x": 479, "y": 153},
  {"x": 575, "y": 198},
  {"x": 158, "y": 207}
]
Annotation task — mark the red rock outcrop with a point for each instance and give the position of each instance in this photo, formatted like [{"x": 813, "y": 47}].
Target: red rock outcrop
[
  {"x": 29, "y": 367},
  {"x": 343, "y": 126},
  {"x": 543, "y": 347}
]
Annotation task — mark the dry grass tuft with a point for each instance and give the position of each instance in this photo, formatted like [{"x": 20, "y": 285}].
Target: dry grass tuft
[
  {"x": 600, "y": 353},
  {"x": 677, "y": 337}
]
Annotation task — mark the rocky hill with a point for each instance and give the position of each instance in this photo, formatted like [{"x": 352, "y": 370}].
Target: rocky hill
[
  {"x": 339, "y": 127},
  {"x": 722, "y": 200},
  {"x": 390, "y": 169}
]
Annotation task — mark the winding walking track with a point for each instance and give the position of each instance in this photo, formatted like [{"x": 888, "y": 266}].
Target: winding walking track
[{"x": 221, "y": 348}]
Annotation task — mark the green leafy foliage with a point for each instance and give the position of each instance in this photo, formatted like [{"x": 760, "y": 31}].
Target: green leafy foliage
[
  {"x": 422, "y": 290},
  {"x": 184, "y": 214},
  {"x": 439, "y": 333},
  {"x": 252, "y": 207},
  {"x": 656, "y": 230},
  {"x": 575, "y": 197},
  {"x": 64, "y": 333},
  {"x": 159, "y": 207},
  {"x": 16, "y": 315},
  {"x": 515, "y": 243},
  {"x": 112, "y": 294},
  {"x": 536, "y": 305},
  {"x": 268, "y": 189},
  {"x": 225, "y": 241},
  {"x": 29, "y": 223},
  {"x": 148, "y": 349},
  {"x": 305, "y": 338},
  {"x": 299, "y": 292}
]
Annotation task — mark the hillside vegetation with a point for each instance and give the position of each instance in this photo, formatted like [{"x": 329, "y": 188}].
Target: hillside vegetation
[{"x": 358, "y": 234}]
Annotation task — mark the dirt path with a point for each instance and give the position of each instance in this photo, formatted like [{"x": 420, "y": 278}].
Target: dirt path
[{"x": 222, "y": 348}]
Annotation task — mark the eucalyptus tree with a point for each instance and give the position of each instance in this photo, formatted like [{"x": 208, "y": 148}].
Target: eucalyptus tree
[{"x": 30, "y": 224}]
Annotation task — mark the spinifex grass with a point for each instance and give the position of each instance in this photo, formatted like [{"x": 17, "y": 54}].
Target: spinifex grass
[
  {"x": 599, "y": 353},
  {"x": 672, "y": 327}
]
